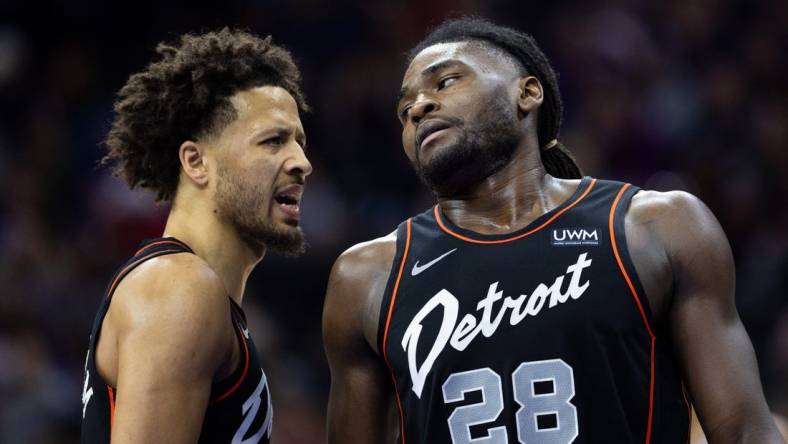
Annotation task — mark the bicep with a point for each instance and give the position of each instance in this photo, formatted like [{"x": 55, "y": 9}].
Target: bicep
[
  {"x": 167, "y": 357},
  {"x": 719, "y": 365},
  {"x": 359, "y": 406},
  {"x": 361, "y": 390},
  {"x": 157, "y": 401},
  {"x": 717, "y": 355}
]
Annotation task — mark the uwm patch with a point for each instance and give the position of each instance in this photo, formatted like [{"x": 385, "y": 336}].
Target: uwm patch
[{"x": 574, "y": 236}]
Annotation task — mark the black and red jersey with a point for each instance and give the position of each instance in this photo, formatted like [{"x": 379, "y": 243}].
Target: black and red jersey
[
  {"x": 239, "y": 411},
  {"x": 539, "y": 336}
]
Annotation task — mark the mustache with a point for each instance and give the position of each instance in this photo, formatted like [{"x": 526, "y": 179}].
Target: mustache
[{"x": 452, "y": 121}]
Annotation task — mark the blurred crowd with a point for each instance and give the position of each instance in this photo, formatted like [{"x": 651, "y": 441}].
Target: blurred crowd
[{"x": 676, "y": 94}]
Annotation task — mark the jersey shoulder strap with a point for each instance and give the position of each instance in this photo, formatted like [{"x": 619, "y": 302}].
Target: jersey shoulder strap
[
  {"x": 147, "y": 250},
  {"x": 404, "y": 234}
]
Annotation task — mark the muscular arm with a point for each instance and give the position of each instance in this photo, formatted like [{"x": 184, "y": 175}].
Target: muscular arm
[
  {"x": 360, "y": 401},
  {"x": 713, "y": 347},
  {"x": 170, "y": 317}
]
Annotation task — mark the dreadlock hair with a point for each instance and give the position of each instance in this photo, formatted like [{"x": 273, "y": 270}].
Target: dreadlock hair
[
  {"x": 185, "y": 95},
  {"x": 557, "y": 160}
]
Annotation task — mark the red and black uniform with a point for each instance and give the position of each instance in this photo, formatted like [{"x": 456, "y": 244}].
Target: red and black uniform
[
  {"x": 540, "y": 336},
  {"x": 239, "y": 411}
]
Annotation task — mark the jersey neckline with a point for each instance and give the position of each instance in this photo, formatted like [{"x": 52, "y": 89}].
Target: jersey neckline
[
  {"x": 447, "y": 226},
  {"x": 150, "y": 243}
]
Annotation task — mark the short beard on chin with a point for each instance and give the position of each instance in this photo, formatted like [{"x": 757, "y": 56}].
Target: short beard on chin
[
  {"x": 240, "y": 204},
  {"x": 264, "y": 237},
  {"x": 481, "y": 150}
]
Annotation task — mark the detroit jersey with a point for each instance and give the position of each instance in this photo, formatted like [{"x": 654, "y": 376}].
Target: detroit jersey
[
  {"x": 541, "y": 336},
  {"x": 239, "y": 410}
]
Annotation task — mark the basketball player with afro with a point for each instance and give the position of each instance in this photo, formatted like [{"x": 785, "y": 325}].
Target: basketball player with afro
[
  {"x": 531, "y": 304},
  {"x": 212, "y": 127}
]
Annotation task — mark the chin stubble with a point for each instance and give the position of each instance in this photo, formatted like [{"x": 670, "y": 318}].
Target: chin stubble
[
  {"x": 240, "y": 204},
  {"x": 480, "y": 151}
]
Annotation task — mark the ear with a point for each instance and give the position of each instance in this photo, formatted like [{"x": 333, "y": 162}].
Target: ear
[
  {"x": 530, "y": 94},
  {"x": 192, "y": 157}
]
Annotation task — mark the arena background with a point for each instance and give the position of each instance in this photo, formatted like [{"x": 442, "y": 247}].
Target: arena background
[{"x": 677, "y": 94}]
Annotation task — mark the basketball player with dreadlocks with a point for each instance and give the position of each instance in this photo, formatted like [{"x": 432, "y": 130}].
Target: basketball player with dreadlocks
[
  {"x": 531, "y": 304},
  {"x": 213, "y": 128}
]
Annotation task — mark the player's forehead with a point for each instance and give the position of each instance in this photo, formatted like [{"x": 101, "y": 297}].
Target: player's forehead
[
  {"x": 264, "y": 106},
  {"x": 471, "y": 54}
]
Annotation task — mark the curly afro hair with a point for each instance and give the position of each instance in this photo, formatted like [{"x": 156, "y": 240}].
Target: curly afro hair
[
  {"x": 185, "y": 95},
  {"x": 522, "y": 47}
]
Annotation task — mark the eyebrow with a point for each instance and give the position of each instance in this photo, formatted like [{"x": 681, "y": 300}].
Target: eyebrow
[
  {"x": 432, "y": 69},
  {"x": 439, "y": 66},
  {"x": 283, "y": 131}
]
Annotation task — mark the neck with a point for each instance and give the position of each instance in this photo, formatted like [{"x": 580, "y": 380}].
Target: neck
[
  {"x": 215, "y": 241},
  {"x": 511, "y": 198}
]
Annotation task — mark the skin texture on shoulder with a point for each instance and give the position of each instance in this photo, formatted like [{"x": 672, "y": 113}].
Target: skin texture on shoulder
[
  {"x": 167, "y": 336},
  {"x": 686, "y": 266},
  {"x": 361, "y": 406}
]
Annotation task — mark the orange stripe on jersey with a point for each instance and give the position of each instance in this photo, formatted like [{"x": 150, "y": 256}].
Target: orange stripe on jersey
[
  {"x": 111, "y": 394},
  {"x": 621, "y": 263},
  {"x": 643, "y": 316},
  {"x": 235, "y": 386},
  {"x": 651, "y": 383},
  {"x": 388, "y": 323},
  {"x": 157, "y": 243},
  {"x": 519, "y": 236}
]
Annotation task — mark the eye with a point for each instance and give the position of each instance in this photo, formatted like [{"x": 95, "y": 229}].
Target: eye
[
  {"x": 275, "y": 141},
  {"x": 446, "y": 81},
  {"x": 404, "y": 113}
]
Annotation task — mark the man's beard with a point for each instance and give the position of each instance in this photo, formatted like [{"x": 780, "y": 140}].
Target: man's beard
[
  {"x": 242, "y": 204},
  {"x": 481, "y": 150}
]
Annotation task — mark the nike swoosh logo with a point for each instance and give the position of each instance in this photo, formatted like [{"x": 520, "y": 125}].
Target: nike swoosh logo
[
  {"x": 418, "y": 269},
  {"x": 245, "y": 331}
]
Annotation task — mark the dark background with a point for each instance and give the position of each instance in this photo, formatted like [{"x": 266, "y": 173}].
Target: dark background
[{"x": 677, "y": 94}]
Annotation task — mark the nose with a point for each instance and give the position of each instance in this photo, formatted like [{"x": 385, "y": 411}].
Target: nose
[
  {"x": 423, "y": 106},
  {"x": 298, "y": 164}
]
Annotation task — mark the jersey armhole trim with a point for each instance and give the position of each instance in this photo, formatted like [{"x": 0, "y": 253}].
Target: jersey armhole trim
[
  {"x": 111, "y": 394},
  {"x": 235, "y": 386},
  {"x": 128, "y": 268},
  {"x": 96, "y": 332},
  {"x": 555, "y": 216},
  {"x": 636, "y": 297},
  {"x": 166, "y": 241},
  {"x": 384, "y": 351},
  {"x": 620, "y": 262}
]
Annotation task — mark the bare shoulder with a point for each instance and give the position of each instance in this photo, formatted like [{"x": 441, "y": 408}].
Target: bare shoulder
[
  {"x": 357, "y": 283},
  {"x": 180, "y": 289},
  {"x": 650, "y": 206},
  {"x": 692, "y": 239},
  {"x": 366, "y": 260},
  {"x": 170, "y": 308},
  {"x": 680, "y": 219}
]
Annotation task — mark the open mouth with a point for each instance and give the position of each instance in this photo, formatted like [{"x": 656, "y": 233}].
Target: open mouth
[
  {"x": 285, "y": 200},
  {"x": 288, "y": 200}
]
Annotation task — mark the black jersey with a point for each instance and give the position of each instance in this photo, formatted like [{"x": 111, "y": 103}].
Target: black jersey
[
  {"x": 540, "y": 336},
  {"x": 239, "y": 411}
]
